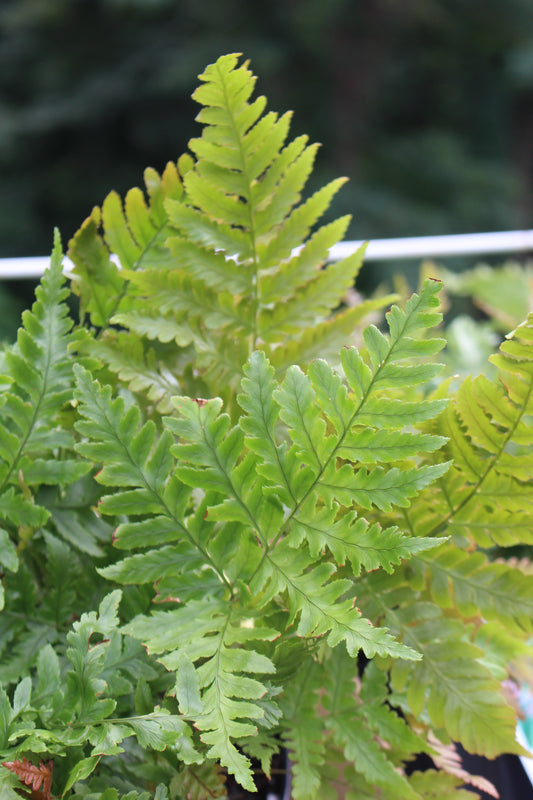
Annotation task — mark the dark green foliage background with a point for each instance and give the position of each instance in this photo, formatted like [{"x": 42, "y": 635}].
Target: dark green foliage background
[{"x": 424, "y": 104}]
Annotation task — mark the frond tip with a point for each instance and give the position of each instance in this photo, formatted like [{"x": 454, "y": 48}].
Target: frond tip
[{"x": 38, "y": 778}]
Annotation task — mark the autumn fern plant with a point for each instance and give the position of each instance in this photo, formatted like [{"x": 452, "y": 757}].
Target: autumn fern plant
[
  {"x": 236, "y": 519},
  {"x": 224, "y": 259}
]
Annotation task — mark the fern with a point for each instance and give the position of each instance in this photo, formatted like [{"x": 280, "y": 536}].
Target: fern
[
  {"x": 244, "y": 533},
  {"x": 33, "y": 776},
  {"x": 40, "y": 477},
  {"x": 302, "y": 527},
  {"x": 353, "y": 724},
  {"x": 224, "y": 259},
  {"x": 39, "y": 376},
  {"x": 78, "y": 711},
  {"x": 488, "y": 428},
  {"x": 459, "y": 693}
]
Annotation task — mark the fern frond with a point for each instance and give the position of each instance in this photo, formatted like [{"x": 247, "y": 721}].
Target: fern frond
[
  {"x": 486, "y": 496},
  {"x": 134, "y": 234},
  {"x": 240, "y": 219},
  {"x": 40, "y": 379},
  {"x": 140, "y": 466},
  {"x": 211, "y": 456},
  {"x": 209, "y": 451},
  {"x": 474, "y": 585},
  {"x": 305, "y": 742},
  {"x": 216, "y": 694},
  {"x": 451, "y": 684},
  {"x": 224, "y": 258},
  {"x": 437, "y": 785}
]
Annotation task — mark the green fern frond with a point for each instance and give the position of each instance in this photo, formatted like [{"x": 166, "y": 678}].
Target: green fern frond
[
  {"x": 474, "y": 585},
  {"x": 134, "y": 234},
  {"x": 210, "y": 451},
  {"x": 451, "y": 684},
  {"x": 40, "y": 378},
  {"x": 486, "y": 496},
  {"x": 306, "y": 743},
  {"x": 211, "y": 455},
  {"x": 228, "y": 247},
  {"x": 140, "y": 465},
  {"x": 220, "y": 694}
]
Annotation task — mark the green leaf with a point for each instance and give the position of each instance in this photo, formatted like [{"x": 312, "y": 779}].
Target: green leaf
[
  {"x": 370, "y": 759},
  {"x": 81, "y": 771},
  {"x": 9, "y": 785},
  {"x": 48, "y": 671},
  {"x": 8, "y": 553},
  {"x": 188, "y": 687},
  {"x": 6, "y": 715},
  {"x": 22, "y": 696},
  {"x": 437, "y": 785}
]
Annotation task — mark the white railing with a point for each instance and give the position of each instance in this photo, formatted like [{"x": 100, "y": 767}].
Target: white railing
[{"x": 476, "y": 244}]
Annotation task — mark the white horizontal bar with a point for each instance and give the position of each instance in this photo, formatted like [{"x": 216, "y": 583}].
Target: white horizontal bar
[
  {"x": 431, "y": 246},
  {"x": 378, "y": 250},
  {"x": 30, "y": 267}
]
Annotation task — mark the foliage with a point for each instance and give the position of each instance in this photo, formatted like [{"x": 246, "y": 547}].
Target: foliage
[
  {"x": 92, "y": 90},
  {"x": 299, "y": 547},
  {"x": 503, "y": 294},
  {"x": 221, "y": 261}
]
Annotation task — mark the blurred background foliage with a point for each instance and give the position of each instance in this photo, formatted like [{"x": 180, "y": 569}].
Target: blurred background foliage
[{"x": 426, "y": 105}]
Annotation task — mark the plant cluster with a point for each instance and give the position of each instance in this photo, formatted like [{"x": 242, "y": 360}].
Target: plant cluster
[{"x": 235, "y": 517}]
